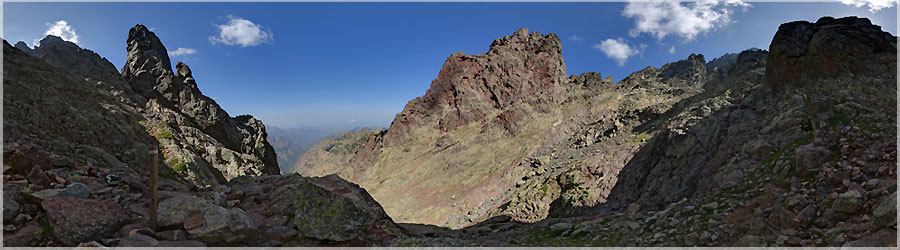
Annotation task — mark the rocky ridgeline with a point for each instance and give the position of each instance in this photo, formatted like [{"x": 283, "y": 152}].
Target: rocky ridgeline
[
  {"x": 76, "y": 137},
  {"x": 795, "y": 146}
]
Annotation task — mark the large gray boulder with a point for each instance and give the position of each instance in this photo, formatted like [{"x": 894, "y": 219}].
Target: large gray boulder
[{"x": 73, "y": 220}]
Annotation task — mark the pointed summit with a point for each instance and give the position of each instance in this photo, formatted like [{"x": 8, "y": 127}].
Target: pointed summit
[
  {"x": 24, "y": 47},
  {"x": 147, "y": 60}
]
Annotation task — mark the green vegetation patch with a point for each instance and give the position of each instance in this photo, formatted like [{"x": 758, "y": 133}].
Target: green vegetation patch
[{"x": 177, "y": 165}]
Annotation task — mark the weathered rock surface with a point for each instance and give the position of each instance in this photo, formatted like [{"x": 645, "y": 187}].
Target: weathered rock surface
[
  {"x": 525, "y": 67},
  {"x": 74, "y": 220},
  {"x": 831, "y": 48},
  {"x": 322, "y": 208}
]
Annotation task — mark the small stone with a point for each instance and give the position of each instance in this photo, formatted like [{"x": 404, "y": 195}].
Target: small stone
[
  {"x": 143, "y": 230},
  {"x": 781, "y": 239},
  {"x": 750, "y": 241},
  {"x": 138, "y": 240},
  {"x": 10, "y": 209},
  {"x": 711, "y": 206},
  {"x": 633, "y": 225},
  {"x": 172, "y": 235},
  {"x": 789, "y": 232},
  {"x": 560, "y": 227},
  {"x": 91, "y": 244},
  {"x": 633, "y": 208}
]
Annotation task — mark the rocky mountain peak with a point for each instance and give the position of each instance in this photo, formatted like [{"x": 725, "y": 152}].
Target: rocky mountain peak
[
  {"x": 147, "y": 60},
  {"x": 835, "y": 48},
  {"x": 688, "y": 72},
  {"x": 84, "y": 62},
  {"x": 24, "y": 48},
  {"x": 523, "y": 40},
  {"x": 525, "y": 67}
]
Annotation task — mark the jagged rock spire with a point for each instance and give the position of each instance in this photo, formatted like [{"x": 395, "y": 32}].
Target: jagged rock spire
[{"x": 147, "y": 60}]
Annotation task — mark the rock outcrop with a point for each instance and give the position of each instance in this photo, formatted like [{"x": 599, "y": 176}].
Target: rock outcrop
[
  {"x": 807, "y": 54},
  {"x": 195, "y": 133}
]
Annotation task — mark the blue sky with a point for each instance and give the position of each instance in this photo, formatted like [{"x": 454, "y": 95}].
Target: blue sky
[{"x": 344, "y": 65}]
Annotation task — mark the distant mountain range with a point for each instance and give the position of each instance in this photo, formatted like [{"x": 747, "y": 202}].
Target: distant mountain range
[{"x": 290, "y": 143}]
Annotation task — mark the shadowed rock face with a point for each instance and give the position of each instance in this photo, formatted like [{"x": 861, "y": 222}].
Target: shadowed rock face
[
  {"x": 24, "y": 48},
  {"x": 804, "y": 53},
  {"x": 84, "y": 62},
  {"x": 147, "y": 62}
]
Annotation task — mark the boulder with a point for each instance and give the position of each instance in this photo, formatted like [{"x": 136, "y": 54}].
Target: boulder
[
  {"x": 886, "y": 237},
  {"x": 74, "y": 190},
  {"x": 750, "y": 241},
  {"x": 885, "y": 212},
  {"x": 847, "y": 202},
  {"x": 206, "y": 222},
  {"x": 222, "y": 226},
  {"x": 173, "y": 211},
  {"x": 10, "y": 209},
  {"x": 810, "y": 157},
  {"x": 323, "y": 208},
  {"x": 74, "y": 220},
  {"x": 138, "y": 240}
]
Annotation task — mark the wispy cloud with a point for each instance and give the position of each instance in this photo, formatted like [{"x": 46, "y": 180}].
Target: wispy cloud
[
  {"x": 672, "y": 50},
  {"x": 352, "y": 120},
  {"x": 618, "y": 49},
  {"x": 688, "y": 20},
  {"x": 182, "y": 52},
  {"x": 241, "y": 32},
  {"x": 62, "y": 29},
  {"x": 874, "y": 5},
  {"x": 576, "y": 38}
]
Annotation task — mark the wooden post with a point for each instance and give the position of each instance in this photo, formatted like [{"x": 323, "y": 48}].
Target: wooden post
[{"x": 154, "y": 153}]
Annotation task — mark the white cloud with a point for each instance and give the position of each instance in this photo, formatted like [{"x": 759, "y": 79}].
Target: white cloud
[
  {"x": 241, "y": 32},
  {"x": 352, "y": 120},
  {"x": 672, "y": 50},
  {"x": 61, "y": 29},
  {"x": 663, "y": 18},
  {"x": 618, "y": 49},
  {"x": 874, "y": 5},
  {"x": 182, "y": 52},
  {"x": 576, "y": 38}
]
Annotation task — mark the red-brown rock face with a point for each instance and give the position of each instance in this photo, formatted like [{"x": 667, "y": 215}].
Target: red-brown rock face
[{"x": 526, "y": 67}]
